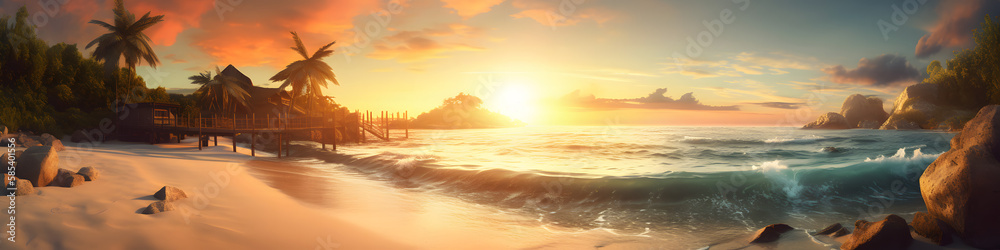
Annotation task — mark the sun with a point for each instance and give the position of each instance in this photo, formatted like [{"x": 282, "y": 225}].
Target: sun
[{"x": 515, "y": 101}]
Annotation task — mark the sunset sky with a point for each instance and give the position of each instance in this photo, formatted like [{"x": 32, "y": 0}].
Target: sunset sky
[{"x": 541, "y": 60}]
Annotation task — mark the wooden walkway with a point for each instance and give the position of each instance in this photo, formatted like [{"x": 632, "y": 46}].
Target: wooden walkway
[{"x": 326, "y": 126}]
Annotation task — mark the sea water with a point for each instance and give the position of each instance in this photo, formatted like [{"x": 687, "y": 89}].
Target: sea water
[{"x": 659, "y": 181}]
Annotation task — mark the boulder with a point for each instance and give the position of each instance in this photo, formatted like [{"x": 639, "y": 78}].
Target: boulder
[
  {"x": 7, "y": 179},
  {"x": 89, "y": 173},
  {"x": 897, "y": 122},
  {"x": 960, "y": 187},
  {"x": 25, "y": 141},
  {"x": 770, "y": 233},
  {"x": 829, "y": 121},
  {"x": 168, "y": 193},
  {"x": 38, "y": 165},
  {"x": 840, "y": 232},
  {"x": 3, "y": 131},
  {"x": 66, "y": 178},
  {"x": 158, "y": 207},
  {"x": 858, "y": 109},
  {"x": 23, "y": 187},
  {"x": 831, "y": 150},
  {"x": 889, "y": 233},
  {"x": 931, "y": 228},
  {"x": 49, "y": 140},
  {"x": 829, "y": 229},
  {"x": 870, "y": 124}
]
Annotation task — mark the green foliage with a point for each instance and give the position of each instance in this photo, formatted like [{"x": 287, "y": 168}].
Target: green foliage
[
  {"x": 54, "y": 89},
  {"x": 460, "y": 112},
  {"x": 971, "y": 79}
]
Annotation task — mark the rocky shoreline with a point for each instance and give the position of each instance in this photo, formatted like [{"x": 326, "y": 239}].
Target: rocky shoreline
[
  {"x": 960, "y": 190},
  {"x": 37, "y": 163},
  {"x": 917, "y": 107}
]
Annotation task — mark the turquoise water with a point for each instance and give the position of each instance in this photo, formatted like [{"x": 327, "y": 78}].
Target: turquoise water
[{"x": 657, "y": 181}]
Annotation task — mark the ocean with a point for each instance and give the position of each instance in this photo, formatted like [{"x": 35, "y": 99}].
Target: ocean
[{"x": 704, "y": 184}]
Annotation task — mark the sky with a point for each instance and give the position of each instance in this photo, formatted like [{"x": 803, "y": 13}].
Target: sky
[{"x": 561, "y": 62}]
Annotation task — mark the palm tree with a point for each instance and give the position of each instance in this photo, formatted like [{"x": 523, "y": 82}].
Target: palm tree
[
  {"x": 221, "y": 91},
  {"x": 125, "y": 40},
  {"x": 308, "y": 75}
]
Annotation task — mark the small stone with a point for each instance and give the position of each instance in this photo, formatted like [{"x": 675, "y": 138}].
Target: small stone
[
  {"x": 66, "y": 178},
  {"x": 24, "y": 187},
  {"x": 158, "y": 207},
  {"x": 840, "y": 232},
  {"x": 49, "y": 140},
  {"x": 168, "y": 193},
  {"x": 89, "y": 173},
  {"x": 770, "y": 233},
  {"x": 830, "y": 229}
]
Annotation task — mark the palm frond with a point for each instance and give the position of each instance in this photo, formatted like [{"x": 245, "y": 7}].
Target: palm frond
[{"x": 299, "y": 47}]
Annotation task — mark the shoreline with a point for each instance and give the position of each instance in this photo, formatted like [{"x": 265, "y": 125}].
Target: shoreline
[
  {"x": 243, "y": 213},
  {"x": 264, "y": 203}
]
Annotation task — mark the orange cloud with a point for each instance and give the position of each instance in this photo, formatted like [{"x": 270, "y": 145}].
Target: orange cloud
[
  {"x": 178, "y": 16},
  {"x": 421, "y": 45},
  {"x": 556, "y": 13},
  {"x": 467, "y": 9},
  {"x": 256, "y": 33}
]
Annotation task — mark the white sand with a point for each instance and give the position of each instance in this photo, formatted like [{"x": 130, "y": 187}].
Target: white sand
[
  {"x": 240, "y": 202},
  {"x": 243, "y": 214}
]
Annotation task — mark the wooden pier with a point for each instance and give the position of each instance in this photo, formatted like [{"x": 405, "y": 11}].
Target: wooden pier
[{"x": 163, "y": 126}]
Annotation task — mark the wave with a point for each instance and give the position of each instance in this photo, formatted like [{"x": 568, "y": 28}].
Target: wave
[
  {"x": 900, "y": 156},
  {"x": 776, "y": 186},
  {"x": 774, "y": 140}
]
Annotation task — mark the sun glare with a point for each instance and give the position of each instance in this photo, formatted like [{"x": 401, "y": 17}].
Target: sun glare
[{"x": 515, "y": 101}]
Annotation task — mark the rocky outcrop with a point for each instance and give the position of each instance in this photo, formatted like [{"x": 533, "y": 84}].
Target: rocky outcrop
[
  {"x": 931, "y": 228},
  {"x": 38, "y": 165},
  {"x": 860, "y": 110},
  {"x": 829, "y": 121},
  {"x": 917, "y": 107},
  {"x": 960, "y": 187},
  {"x": 889, "y": 233},
  {"x": 158, "y": 207},
  {"x": 770, "y": 233},
  {"x": 857, "y": 111},
  {"x": 168, "y": 193},
  {"x": 897, "y": 122},
  {"x": 89, "y": 173}
]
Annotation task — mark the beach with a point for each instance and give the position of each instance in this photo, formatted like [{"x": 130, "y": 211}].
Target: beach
[
  {"x": 260, "y": 203},
  {"x": 241, "y": 202}
]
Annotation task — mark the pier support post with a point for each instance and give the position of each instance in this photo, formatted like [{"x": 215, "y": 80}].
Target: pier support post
[
  {"x": 279, "y": 145},
  {"x": 200, "y": 138},
  {"x": 333, "y": 120},
  {"x": 322, "y": 132},
  {"x": 253, "y": 134},
  {"x": 234, "y": 132}
]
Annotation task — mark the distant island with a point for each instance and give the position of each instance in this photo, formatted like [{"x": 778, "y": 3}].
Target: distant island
[{"x": 463, "y": 112}]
